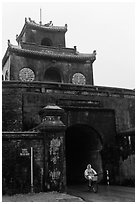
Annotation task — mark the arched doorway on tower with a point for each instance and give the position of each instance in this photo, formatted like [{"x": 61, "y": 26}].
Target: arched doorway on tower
[
  {"x": 83, "y": 145},
  {"x": 52, "y": 75}
]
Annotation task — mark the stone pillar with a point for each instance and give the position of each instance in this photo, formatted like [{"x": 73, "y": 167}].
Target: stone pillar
[{"x": 53, "y": 131}]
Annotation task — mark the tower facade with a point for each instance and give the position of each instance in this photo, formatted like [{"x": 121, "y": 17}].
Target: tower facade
[{"x": 42, "y": 55}]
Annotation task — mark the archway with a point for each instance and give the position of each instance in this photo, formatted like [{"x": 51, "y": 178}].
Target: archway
[
  {"x": 52, "y": 75},
  {"x": 83, "y": 146},
  {"x": 46, "y": 42}
]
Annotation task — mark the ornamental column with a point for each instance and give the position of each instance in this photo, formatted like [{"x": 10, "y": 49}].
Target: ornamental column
[{"x": 53, "y": 131}]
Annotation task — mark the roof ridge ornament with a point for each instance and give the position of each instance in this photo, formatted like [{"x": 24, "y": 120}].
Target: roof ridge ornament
[
  {"x": 94, "y": 52},
  {"x": 40, "y": 22},
  {"x": 49, "y": 24},
  {"x": 31, "y": 21},
  {"x": 75, "y": 49},
  {"x": 9, "y": 44},
  {"x": 17, "y": 36}
]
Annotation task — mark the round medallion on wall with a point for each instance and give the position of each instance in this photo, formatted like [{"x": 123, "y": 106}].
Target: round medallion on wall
[
  {"x": 79, "y": 78},
  {"x": 26, "y": 74}
]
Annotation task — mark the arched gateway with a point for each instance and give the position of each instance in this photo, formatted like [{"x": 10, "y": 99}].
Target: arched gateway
[{"x": 83, "y": 145}]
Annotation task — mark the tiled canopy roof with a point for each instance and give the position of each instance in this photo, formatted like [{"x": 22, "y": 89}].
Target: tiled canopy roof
[
  {"x": 53, "y": 54},
  {"x": 34, "y": 25},
  {"x": 48, "y": 28}
]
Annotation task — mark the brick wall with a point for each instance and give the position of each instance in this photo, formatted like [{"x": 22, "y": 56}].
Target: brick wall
[
  {"x": 16, "y": 167},
  {"x": 39, "y": 66},
  {"x": 12, "y": 110},
  {"x": 22, "y": 102},
  {"x": 48, "y": 161}
]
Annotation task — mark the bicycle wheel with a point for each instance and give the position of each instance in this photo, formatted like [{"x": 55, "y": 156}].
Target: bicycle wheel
[{"x": 95, "y": 187}]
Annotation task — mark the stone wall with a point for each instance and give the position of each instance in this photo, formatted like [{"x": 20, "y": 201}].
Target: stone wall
[
  {"x": 12, "y": 110},
  {"x": 107, "y": 110},
  {"x": 57, "y": 38},
  {"x": 48, "y": 161},
  {"x": 16, "y": 161},
  {"x": 39, "y": 66},
  {"x": 127, "y": 171},
  {"x": 31, "y": 97}
]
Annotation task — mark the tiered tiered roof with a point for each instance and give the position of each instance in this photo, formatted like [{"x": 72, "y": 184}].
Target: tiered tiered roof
[{"x": 58, "y": 53}]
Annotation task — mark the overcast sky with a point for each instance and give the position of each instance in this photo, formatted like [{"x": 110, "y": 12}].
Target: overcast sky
[{"x": 107, "y": 28}]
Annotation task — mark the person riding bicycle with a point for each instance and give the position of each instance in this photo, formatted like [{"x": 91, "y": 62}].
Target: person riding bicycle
[{"x": 89, "y": 174}]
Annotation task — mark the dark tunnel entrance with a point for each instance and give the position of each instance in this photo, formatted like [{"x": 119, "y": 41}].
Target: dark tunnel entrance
[{"x": 83, "y": 146}]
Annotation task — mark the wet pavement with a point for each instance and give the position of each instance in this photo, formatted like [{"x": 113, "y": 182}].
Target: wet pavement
[
  {"x": 41, "y": 197},
  {"x": 78, "y": 193},
  {"x": 105, "y": 193}
]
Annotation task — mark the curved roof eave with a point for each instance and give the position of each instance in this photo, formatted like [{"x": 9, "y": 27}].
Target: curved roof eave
[
  {"x": 47, "y": 28},
  {"x": 21, "y": 33},
  {"x": 6, "y": 55},
  {"x": 75, "y": 57}
]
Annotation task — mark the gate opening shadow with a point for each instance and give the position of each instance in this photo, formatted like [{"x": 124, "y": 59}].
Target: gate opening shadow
[{"x": 83, "y": 145}]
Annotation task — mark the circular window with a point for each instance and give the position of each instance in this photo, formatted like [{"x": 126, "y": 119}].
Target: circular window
[
  {"x": 26, "y": 74},
  {"x": 79, "y": 78}
]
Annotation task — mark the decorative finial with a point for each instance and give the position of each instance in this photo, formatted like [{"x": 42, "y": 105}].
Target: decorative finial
[
  {"x": 94, "y": 52},
  {"x": 49, "y": 24},
  {"x": 75, "y": 49},
  {"x": 40, "y": 17},
  {"x": 30, "y": 19},
  {"x": 16, "y": 36},
  {"x": 8, "y": 42},
  {"x": 66, "y": 25},
  {"x": 25, "y": 20},
  {"x": 33, "y": 21}
]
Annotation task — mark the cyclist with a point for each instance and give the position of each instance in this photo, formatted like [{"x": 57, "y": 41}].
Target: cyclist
[{"x": 89, "y": 174}]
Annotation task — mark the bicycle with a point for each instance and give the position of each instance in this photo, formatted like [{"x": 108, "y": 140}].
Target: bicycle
[{"x": 92, "y": 183}]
